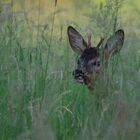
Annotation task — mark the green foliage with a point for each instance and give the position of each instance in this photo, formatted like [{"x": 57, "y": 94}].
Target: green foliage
[
  {"x": 104, "y": 18},
  {"x": 39, "y": 98}
]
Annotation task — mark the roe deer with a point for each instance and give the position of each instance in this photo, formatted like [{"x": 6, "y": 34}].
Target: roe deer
[{"x": 89, "y": 64}]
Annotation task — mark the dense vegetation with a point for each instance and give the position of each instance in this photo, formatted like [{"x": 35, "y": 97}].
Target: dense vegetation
[{"x": 39, "y": 98}]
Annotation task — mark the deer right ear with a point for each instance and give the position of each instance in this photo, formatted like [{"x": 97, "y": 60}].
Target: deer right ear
[
  {"x": 115, "y": 42},
  {"x": 77, "y": 43}
]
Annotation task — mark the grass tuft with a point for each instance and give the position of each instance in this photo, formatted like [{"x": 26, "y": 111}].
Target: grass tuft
[{"x": 39, "y": 98}]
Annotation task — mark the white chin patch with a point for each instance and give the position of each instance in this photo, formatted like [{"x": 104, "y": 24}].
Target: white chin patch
[{"x": 80, "y": 79}]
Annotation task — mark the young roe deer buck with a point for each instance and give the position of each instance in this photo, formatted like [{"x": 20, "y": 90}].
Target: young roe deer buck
[{"x": 90, "y": 63}]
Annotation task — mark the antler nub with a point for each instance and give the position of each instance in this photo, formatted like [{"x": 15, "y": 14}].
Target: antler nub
[
  {"x": 89, "y": 41},
  {"x": 101, "y": 41}
]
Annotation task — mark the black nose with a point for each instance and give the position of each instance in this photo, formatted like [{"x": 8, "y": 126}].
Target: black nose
[{"x": 77, "y": 73}]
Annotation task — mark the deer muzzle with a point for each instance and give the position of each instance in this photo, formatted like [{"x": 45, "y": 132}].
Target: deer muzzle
[{"x": 80, "y": 76}]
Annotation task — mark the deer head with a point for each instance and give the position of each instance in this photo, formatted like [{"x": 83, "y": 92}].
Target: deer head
[{"x": 89, "y": 64}]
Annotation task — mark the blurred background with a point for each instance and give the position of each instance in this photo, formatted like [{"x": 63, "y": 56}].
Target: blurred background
[{"x": 39, "y": 99}]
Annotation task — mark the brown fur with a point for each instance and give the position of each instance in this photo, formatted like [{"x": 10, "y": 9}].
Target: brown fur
[{"x": 89, "y": 64}]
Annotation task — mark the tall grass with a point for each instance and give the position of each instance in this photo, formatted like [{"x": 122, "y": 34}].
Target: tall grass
[{"x": 39, "y": 98}]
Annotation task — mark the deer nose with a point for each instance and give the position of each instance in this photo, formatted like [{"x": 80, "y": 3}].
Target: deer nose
[{"x": 77, "y": 73}]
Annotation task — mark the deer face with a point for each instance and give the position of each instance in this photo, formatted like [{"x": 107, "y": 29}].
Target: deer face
[{"x": 89, "y": 64}]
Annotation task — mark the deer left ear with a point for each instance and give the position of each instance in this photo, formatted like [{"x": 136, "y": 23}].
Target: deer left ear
[
  {"x": 115, "y": 42},
  {"x": 77, "y": 43}
]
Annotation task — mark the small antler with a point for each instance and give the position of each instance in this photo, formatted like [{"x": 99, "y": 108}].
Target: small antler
[
  {"x": 101, "y": 41},
  {"x": 89, "y": 40}
]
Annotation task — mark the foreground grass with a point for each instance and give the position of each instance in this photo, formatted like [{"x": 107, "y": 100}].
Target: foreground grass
[{"x": 40, "y": 100}]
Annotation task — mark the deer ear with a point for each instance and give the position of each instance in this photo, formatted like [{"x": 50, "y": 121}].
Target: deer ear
[
  {"x": 77, "y": 43},
  {"x": 115, "y": 42}
]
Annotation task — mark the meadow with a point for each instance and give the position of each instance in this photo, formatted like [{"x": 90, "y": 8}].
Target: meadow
[{"x": 39, "y": 98}]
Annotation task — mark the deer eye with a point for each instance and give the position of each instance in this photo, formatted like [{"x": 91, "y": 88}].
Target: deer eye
[
  {"x": 78, "y": 62},
  {"x": 98, "y": 63}
]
